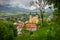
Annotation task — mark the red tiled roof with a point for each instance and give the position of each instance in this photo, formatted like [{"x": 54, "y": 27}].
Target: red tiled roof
[
  {"x": 31, "y": 25},
  {"x": 20, "y": 25}
]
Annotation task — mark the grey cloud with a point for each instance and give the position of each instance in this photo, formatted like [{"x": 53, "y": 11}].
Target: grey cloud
[{"x": 4, "y": 1}]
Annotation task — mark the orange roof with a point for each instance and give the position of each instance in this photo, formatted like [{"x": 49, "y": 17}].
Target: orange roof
[
  {"x": 31, "y": 25},
  {"x": 20, "y": 25}
]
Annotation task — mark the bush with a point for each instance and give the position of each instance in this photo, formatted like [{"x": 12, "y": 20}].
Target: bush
[{"x": 7, "y": 30}]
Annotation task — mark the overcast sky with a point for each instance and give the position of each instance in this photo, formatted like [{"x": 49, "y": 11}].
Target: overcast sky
[{"x": 18, "y": 3}]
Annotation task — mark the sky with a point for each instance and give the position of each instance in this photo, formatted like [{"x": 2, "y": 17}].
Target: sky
[
  {"x": 18, "y": 3},
  {"x": 21, "y": 4}
]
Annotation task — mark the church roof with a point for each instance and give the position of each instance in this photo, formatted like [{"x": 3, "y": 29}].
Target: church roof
[{"x": 31, "y": 25}]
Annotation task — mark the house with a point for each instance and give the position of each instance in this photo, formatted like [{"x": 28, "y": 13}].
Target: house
[
  {"x": 19, "y": 28},
  {"x": 31, "y": 27}
]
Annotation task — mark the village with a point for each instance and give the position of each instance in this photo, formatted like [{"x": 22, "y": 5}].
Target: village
[{"x": 30, "y": 24}]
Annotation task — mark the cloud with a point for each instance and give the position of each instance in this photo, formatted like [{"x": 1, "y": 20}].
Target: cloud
[
  {"x": 4, "y": 1},
  {"x": 19, "y": 3},
  {"x": 22, "y": 4}
]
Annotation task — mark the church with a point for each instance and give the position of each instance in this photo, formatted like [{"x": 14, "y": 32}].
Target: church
[{"x": 33, "y": 18}]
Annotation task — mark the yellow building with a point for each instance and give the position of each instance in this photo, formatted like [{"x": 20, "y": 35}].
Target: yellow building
[{"x": 33, "y": 19}]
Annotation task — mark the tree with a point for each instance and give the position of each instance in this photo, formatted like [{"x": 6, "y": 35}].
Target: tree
[
  {"x": 56, "y": 17},
  {"x": 55, "y": 2},
  {"x": 7, "y": 30},
  {"x": 56, "y": 13}
]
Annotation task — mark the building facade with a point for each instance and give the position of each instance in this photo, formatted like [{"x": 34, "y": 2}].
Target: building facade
[{"x": 33, "y": 19}]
